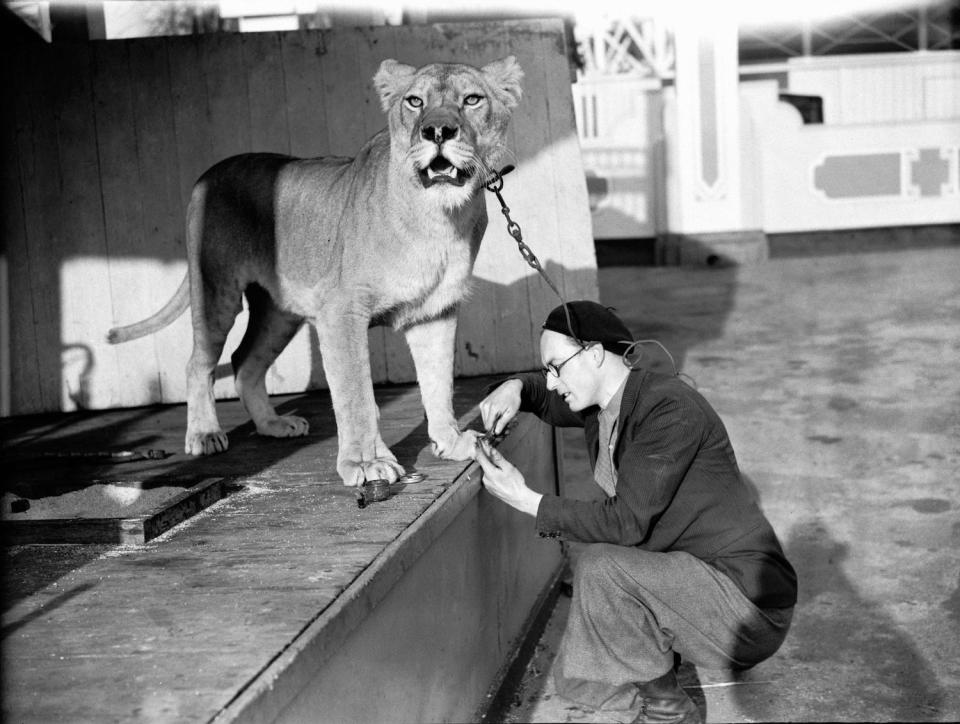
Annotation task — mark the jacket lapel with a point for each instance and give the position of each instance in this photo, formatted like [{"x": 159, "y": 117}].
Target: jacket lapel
[{"x": 630, "y": 399}]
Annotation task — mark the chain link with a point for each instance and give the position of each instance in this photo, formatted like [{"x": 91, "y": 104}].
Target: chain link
[
  {"x": 495, "y": 186},
  {"x": 513, "y": 228}
]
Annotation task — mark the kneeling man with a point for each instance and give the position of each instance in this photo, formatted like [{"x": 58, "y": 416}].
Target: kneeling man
[{"x": 680, "y": 561}]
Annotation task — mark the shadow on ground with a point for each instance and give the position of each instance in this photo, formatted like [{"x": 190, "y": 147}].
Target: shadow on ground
[{"x": 875, "y": 664}]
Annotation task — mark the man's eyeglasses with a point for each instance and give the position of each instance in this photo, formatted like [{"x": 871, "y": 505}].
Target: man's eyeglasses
[{"x": 554, "y": 369}]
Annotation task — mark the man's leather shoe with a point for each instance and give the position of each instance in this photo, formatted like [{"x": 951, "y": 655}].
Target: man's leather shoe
[{"x": 663, "y": 701}]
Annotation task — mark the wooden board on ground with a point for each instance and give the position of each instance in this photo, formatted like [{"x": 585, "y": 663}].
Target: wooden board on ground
[{"x": 106, "y": 512}]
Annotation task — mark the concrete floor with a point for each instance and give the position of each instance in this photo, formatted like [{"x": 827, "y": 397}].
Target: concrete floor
[{"x": 837, "y": 379}]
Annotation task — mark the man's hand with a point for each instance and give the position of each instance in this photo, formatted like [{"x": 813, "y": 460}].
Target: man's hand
[
  {"x": 504, "y": 481},
  {"x": 501, "y": 406}
]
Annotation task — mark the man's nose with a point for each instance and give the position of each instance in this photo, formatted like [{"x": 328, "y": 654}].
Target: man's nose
[{"x": 552, "y": 381}]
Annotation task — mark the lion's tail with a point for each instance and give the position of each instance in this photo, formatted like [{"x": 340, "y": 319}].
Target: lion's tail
[{"x": 171, "y": 310}]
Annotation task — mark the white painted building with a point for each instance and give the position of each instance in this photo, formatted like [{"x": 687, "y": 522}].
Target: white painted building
[{"x": 683, "y": 143}]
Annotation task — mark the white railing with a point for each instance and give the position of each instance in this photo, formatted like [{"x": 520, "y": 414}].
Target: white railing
[{"x": 881, "y": 88}]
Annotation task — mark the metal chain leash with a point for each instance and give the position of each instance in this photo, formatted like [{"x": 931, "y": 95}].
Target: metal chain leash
[{"x": 495, "y": 186}]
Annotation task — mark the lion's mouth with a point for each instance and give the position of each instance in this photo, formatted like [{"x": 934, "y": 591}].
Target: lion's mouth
[{"x": 441, "y": 171}]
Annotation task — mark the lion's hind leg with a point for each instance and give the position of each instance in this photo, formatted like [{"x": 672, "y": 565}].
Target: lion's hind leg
[
  {"x": 212, "y": 320},
  {"x": 269, "y": 330}
]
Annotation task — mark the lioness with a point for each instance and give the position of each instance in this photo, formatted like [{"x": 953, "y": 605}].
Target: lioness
[{"x": 388, "y": 237}]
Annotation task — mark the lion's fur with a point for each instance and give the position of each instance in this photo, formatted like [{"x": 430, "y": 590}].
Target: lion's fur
[{"x": 344, "y": 243}]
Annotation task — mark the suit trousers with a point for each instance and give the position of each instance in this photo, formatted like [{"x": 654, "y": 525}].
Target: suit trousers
[{"x": 632, "y": 610}]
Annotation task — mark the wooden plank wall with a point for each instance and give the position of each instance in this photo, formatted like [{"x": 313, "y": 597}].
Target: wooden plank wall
[{"x": 103, "y": 141}]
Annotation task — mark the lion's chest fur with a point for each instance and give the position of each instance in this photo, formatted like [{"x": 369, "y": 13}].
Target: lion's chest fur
[
  {"x": 345, "y": 237},
  {"x": 429, "y": 266}
]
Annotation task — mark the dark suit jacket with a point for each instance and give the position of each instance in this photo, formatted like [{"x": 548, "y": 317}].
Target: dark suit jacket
[{"x": 679, "y": 487}]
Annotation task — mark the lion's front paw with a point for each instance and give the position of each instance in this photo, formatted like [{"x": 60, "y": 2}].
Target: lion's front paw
[
  {"x": 456, "y": 445},
  {"x": 355, "y": 472},
  {"x": 205, "y": 443}
]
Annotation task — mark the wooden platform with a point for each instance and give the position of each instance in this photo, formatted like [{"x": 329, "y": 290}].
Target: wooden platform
[{"x": 284, "y": 601}]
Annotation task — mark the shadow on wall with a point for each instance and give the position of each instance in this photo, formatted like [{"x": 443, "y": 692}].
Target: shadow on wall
[{"x": 608, "y": 220}]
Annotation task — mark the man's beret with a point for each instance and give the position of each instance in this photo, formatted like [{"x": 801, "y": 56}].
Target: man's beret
[{"x": 591, "y": 322}]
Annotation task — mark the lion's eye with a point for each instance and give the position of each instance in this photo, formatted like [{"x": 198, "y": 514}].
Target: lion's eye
[
  {"x": 414, "y": 101},
  {"x": 472, "y": 99}
]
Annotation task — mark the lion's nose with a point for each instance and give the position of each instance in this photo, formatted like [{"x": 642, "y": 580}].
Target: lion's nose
[
  {"x": 439, "y": 124},
  {"x": 440, "y": 132}
]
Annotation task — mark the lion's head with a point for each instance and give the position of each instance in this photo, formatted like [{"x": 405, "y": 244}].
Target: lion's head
[{"x": 447, "y": 121}]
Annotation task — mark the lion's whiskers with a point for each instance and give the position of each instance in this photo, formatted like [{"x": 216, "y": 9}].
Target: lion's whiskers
[
  {"x": 420, "y": 154},
  {"x": 480, "y": 168}
]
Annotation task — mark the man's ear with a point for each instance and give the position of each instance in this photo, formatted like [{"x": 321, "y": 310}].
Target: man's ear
[{"x": 598, "y": 353}]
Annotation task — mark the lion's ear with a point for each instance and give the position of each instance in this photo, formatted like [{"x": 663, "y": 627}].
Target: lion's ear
[
  {"x": 392, "y": 78},
  {"x": 505, "y": 75}
]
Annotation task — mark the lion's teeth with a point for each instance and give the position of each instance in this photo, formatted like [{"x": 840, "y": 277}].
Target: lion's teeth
[{"x": 449, "y": 173}]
